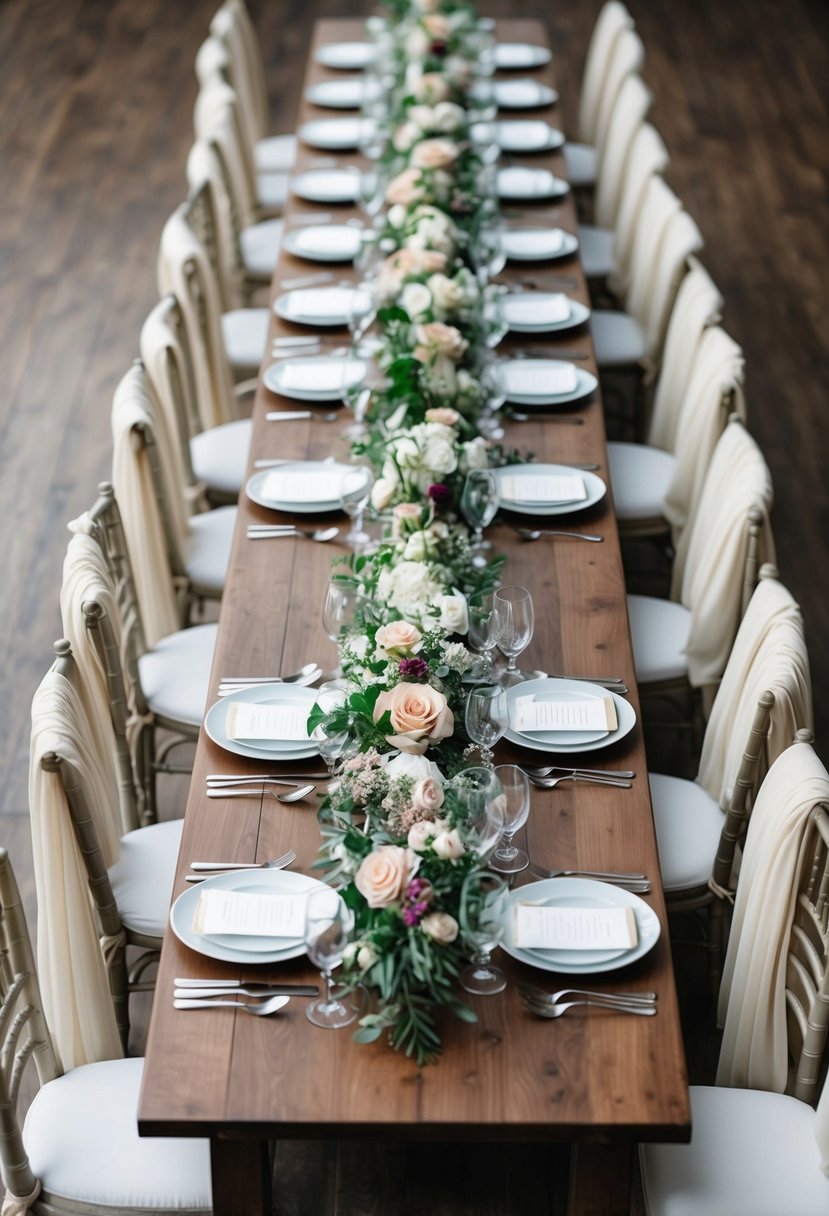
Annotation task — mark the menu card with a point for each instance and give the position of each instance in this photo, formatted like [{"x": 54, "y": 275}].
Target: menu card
[
  {"x": 542, "y": 487},
  {"x": 301, "y": 485},
  {"x": 248, "y": 722},
  {"x": 250, "y": 915},
  {"x": 594, "y": 713},
  {"x": 561, "y": 928},
  {"x": 538, "y": 310},
  {"x": 525, "y": 378}
]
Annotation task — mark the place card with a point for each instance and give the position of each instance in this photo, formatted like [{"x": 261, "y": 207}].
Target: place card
[
  {"x": 542, "y": 488},
  {"x": 560, "y": 928},
  {"x": 528, "y": 716},
  {"x": 250, "y": 915},
  {"x": 526, "y": 378},
  {"x": 293, "y": 485},
  {"x": 248, "y": 722}
]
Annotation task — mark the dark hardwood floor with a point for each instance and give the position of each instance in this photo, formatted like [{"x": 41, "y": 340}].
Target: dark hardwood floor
[{"x": 95, "y": 123}]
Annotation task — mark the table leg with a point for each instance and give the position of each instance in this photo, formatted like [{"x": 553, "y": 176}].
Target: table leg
[
  {"x": 600, "y": 1179},
  {"x": 242, "y": 1176}
]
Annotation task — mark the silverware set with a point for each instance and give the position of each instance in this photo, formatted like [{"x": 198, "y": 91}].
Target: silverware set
[
  {"x": 205, "y": 869},
  {"x": 550, "y": 783},
  {"x": 637, "y": 883},
  {"x": 537, "y": 533},
  {"x": 309, "y": 674},
  {"x": 285, "y": 531},
  {"x": 555, "y": 1004},
  {"x": 263, "y": 999}
]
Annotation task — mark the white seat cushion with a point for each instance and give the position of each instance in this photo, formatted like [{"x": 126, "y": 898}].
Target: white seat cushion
[
  {"x": 596, "y": 249},
  {"x": 245, "y": 333},
  {"x": 582, "y": 165},
  {"x": 82, "y": 1139},
  {"x": 175, "y": 676},
  {"x": 142, "y": 877},
  {"x": 752, "y": 1153},
  {"x": 208, "y": 555},
  {"x": 641, "y": 477},
  {"x": 272, "y": 191},
  {"x": 260, "y": 248},
  {"x": 220, "y": 455},
  {"x": 659, "y": 631},
  {"x": 618, "y": 339},
  {"x": 275, "y": 153},
  {"x": 688, "y": 827}
]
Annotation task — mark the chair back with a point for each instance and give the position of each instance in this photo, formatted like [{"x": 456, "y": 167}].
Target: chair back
[
  {"x": 629, "y": 113},
  {"x": 647, "y": 157},
  {"x": 627, "y": 59},
  {"x": 216, "y": 115},
  {"x": 611, "y": 21},
  {"x": 721, "y": 549},
  {"x": 207, "y": 175},
  {"x": 165, "y": 352},
  {"x": 24, "y": 1035},
  {"x": 185, "y": 271},
  {"x": 698, "y": 305},
  {"x": 73, "y": 805},
  {"x": 232, "y": 26}
]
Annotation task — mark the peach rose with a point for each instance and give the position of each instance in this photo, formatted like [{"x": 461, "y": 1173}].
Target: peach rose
[
  {"x": 436, "y": 338},
  {"x": 419, "y": 716},
  {"x": 432, "y": 88},
  {"x": 434, "y": 154},
  {"x": 441, "y": 927},
  {"x": 428, "y": 795},
  {"x": 383, "y": 875},
  {"x": 399, "y": 639},
  {"x": 405, "y": 188},
  {"x": 405, "y": 513},
  {"x": 443, "y": 414},
  {"x": 437, "y": 26}
]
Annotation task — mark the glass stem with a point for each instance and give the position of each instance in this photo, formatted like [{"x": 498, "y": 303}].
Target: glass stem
[{"x": 326, "y": 975}]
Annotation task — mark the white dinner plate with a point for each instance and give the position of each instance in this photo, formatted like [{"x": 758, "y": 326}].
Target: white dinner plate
[
  {"x": 226, "y": 946},
  {"x": 521, "y": 183},
  {"x": 566, "y": 741},
  {"x": 536, "y": 244},
  {"x": 584, "y": 893},
  {"x": 327, "y": 185},
  {"x": 324, "y": 243},
  {"x": 585, "y": 384},
  {"x": 348, "y": 94},
  {"x": 331, "y": 134},
  {"x": 515, "y": 56},
  {"x": 347, "y": 56},
  {"x": 314, "y": 377},
  {"x": 541, "y": 312},
  {"x": 594, "y": 486},
  {"x": 523, "y": 94},
  {"x": 256, "y": 487},
  {"x": 215, "y": 722},
  {"x": 522, "y": 135},
  {"x": 324, "y": 306}
]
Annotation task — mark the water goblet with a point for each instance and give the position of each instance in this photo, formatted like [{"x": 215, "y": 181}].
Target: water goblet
[
  {"x": 479, "y": 793},
  {"x": 483, "y": 911},
  {"x": 355, "y": 492},
  {"x": 479, "y": 504},
  {"x": 484, "y": 627},
  {"x": 486, "y": 716},
  {"x": 328, "y": 928},
  {"x": 356, "y": 395},
  {"x": 362, "y": 310},
  {"x": 514, "y": 606},
  {"x": 515, "y": 786}
]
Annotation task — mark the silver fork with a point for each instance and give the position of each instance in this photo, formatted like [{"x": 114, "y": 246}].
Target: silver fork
[
  {"x": 542, "y": 1010},
  {"x": 636, "y": 884},
  {"x": 550, "y": 783},
  {"x": 276, "y": 863},
  {"x": 534, "y": 993}
]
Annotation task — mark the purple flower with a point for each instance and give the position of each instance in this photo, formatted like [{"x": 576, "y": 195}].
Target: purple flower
[
  {"x": 413, "y": 669},
  {"x": 439, "y": 494}
]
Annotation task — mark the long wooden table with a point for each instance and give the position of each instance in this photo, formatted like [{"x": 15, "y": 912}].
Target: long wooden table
[{"x": 601, "y": 1082}]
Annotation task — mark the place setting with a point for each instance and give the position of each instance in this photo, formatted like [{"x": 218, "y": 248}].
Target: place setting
[
  {"x": 328, "y": 307},
  {"x": 327, "y": 185},
  {"x": 520, "y": 183},
  {"x": 526, "y": 94},
  {"x": 347, "y": 56},
  {"x": 547, "y": 489},
  {"x": 315, "y": 378},
  {"x": 537, "y": 384},
  {"x": 332, "y": 134},
  {"x": 527, "y": 135},
  {"x": 542, "y": 312},
  {"x": 528, "y": 244},
  {"x": 520, "y": 56},
  {"x": 324, "y": 242},
  {"x": 348, "y": 94}
]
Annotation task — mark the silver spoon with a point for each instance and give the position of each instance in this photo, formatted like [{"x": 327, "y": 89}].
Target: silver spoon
[
  {"x": 262, "y": 1009},
  {"x": 550, "y": 783},
  {"x": 532, "y": 992},
  {"x": 321, "y": 535},
  {"x": 276, "y": 863},
  {"x": 544, "y": 770},
  {"x": 537, "y": 533},
  {"x": 297, "y": 795}
]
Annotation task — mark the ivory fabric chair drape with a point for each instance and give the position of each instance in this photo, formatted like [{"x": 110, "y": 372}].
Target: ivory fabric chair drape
[{"x": 612, "y": 19}]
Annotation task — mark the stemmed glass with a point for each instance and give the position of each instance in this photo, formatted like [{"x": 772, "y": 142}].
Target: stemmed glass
[
  {"x": 479, "y": 791},
  {"x": 355, "y": 492},
  {"x": 484, "y": 627},
  {"x": 343, "y": 598},
  {"x": 483, "y": 911},
  {"x": 362, "y": 309},
  {"x": 514, "y": 606},
  {"x": 328, "y": 928},
  {"x": 354, "y": 392},
  {"x": 479, "y": 504},
  {"x": 486, "y": 716},
  {"x": 515, "y": 784}
]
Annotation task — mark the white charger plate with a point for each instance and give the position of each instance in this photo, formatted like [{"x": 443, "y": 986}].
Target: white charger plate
[
  {"x": 225, "y": 946},
  {"x": 323, "y": 306},
  {"x": 524, "y": 135},
  {"x": 595, "y": 487},
  {"x": 258, "y": 480},
  {"x": 537, "y": 244},
  {"x": 521, "y": 183},
  {"x": 515, "y": 56},
  {"x": 514, "y": 305},
  {"x": 331, "y": 134},
  {"x": 586, "y": 383},
  {"x": 348, "y": 94},
  {"x": 585, "y": 893},
  {"x": 568, "y": 741},
  {"x": 324, "y": 242},
  {"x": 331, "y": 368},
  {"x": 347, "y": 56},
  {"x": 215, "y": 722},
  {"x": 327, "y": 185},
  {"x": 526, "y": 94}
]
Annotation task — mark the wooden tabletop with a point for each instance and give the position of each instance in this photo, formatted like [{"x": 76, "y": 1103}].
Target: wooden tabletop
[{"x": 581, "y": 1078}]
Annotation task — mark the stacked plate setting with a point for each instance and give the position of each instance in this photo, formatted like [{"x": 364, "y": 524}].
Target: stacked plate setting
[{"x": 568, "y": 742}]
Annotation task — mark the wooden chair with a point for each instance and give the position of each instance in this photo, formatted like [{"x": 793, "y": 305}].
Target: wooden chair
[
  {"x": 758, "y": 1146},
  {"x": 79, "y": 1150}
]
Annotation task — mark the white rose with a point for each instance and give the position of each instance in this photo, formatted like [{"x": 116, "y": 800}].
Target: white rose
[
  {"x": 417, "y": 548},
  {"x": 408, "y": 588},
  {"x": 396, "y": 215},
  {"x": 441, "y": 927},
  {"x": 422, "y": 117},
  {"x": 447, "y": 117},
  {"x": 399, "y": 639},
  {"x": 416, "y": 298},
  {"x": 448, "y": 845},
  {"x": 416, "y": 767},
  {"x": 442, "y": 376},
  {"x": 382, "y": 492},
  {"x": 405, "y": 136},
  {"x": 420, "y": 832},
  {"x": 417, "y": 43},
  {"x": 428, "y": 795},
  {"x": 454, "y": 612},
  {"x": 446, "y": 293},
  {"x": 475, "y": 454},
  {"x": 366, "y": 956}
]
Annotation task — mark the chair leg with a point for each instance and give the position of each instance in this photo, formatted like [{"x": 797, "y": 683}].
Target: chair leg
[{"x": 116, "y": 960}]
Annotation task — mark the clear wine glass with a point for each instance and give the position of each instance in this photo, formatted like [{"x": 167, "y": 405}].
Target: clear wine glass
[
  {"x": 486, "y": 716},
  {"x": 483, "y": 912},
  {"x": 484, "y": 627},
  {"x": 479, "y": 792},
  {"x": 355, "y": 492},
  {"x": 515, "y": 784},
  {"x": 514, "y": 606},
  {"x": 479, "y": 504},
  {"x": 372, "y": 191},
  {"x": 329, "y": 925},
  {"x": 343, "y": 598},
  {"x": 362, "y": 309},
  {"x": 355, "y": 394}
]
